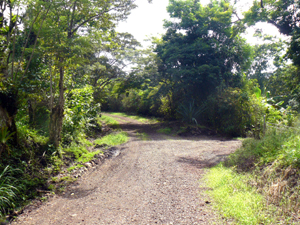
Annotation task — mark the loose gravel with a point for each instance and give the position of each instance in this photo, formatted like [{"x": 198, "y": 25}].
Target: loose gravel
[{"x": 157, "y": 181}]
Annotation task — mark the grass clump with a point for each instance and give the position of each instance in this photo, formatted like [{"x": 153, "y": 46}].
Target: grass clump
[
  {"x": 76, "y": 151},
  {"x": 87, "y": 156},
  {"x": 282, "y": 145},
  {"x": 109, "y": 121},
  {"x": 235, "y": 198},
  {"x": 136, "y": 117},
  {"x": 113, "y": 139},
  {"x": 166, "y": 130},
  {"x": 80, "y": 153}
]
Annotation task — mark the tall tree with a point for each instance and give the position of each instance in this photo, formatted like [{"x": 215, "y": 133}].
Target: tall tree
[
  {"x": 283, "y": 14},
  {"x": 68, "y": 22},
  {"x": 200, "y": 51},
  {"x": 267, "y": 58}
]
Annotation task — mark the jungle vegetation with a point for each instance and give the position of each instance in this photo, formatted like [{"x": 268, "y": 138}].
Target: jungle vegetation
[{"x": 63, "y": 62}]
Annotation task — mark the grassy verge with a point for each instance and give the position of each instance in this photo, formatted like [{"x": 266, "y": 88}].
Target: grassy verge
[
  {"x": 260, "y": 182},
  {"x": 112, "y": 139},
  {"x": 109, "y": 121},
  {"x": 136, "y": 117},
  {"x": 80, "y": 153},
  {"x": 235, "y": 198}
]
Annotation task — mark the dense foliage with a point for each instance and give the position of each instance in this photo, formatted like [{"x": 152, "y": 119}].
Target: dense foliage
[{"x": 62, "y": 61}]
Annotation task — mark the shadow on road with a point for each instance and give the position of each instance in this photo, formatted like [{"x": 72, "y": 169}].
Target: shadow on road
[{"x": 206, "y": 163}]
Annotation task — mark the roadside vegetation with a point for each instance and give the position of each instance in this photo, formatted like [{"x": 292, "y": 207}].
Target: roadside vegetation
[
  {"x": 109, "y": 121},
  {"x": 112, "y": 139},
  {"x": 261, "y": 178},
  {"x": 59, "y": 70}
]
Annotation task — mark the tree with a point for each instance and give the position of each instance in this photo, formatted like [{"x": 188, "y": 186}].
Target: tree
[
  {"x": 267, "y": 58},
  {"x": 63, "y": 34},
  {"x": 56, "y": 36},
  {"x": 283, "y": 14},
  {"x": 200, "y": 51}
]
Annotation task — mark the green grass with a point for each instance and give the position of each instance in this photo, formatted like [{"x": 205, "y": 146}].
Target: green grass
[
  {"x": 234, "y": 198},
  {"x": 166, "y": 130},
  {"x": 109, "y": 121},
  {"x": 271, "y": 165},
  {"x": 136, "y": 117},
  {"x": 277, "y": 145},
  {"x": 81, "y": 154},
  {"x": 71, "y": 168},
  {"x": 76, "y": 151},
  {"x": 113, "y": 139},
  {"x": 86, "y": 157}
]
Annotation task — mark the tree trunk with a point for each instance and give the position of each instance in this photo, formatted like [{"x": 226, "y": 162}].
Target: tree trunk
[
  {"x": 57, "y": 113},
  {"x": 30, "y": 112},
  {"x": 8, "y": 120}
]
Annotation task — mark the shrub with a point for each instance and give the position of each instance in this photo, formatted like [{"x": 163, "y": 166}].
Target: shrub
[
  {"x": 8, "y": 190},
  {"x": 234, "y": 112},
  {"x": 5, "y": 136},
  {"x": 190, "y": 112},
  {"x": 80, "y": 113}
]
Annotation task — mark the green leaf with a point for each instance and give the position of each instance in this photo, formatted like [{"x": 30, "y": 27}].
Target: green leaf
[{"x": 257, "y": 92}]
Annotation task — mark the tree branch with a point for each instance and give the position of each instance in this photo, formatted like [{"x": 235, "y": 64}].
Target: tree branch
[
  {"x": 26, "y": 42},
  {"x": 35, "y": 43},
  {"x": 91, "y": 18}
]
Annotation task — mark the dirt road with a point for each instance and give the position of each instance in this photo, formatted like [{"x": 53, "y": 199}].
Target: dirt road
[{"x": 153, "y": 181}]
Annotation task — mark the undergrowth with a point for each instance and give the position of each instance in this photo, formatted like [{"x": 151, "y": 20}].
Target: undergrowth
[
  {"x": 109, "y": 121},
  {"x": 9, "y": 189},
  {"x": 270, "y": 168}
]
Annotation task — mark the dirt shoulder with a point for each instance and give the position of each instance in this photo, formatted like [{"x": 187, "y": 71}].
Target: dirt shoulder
[{"x": 154, "y": 181}]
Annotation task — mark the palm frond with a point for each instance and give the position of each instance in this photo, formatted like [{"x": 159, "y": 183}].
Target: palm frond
[
  {"x": 8, "y": 190},
  {"x": 190, "y": 112}
]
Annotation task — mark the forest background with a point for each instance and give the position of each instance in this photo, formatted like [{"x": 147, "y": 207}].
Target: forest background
[{"x": 62, "y": 62}]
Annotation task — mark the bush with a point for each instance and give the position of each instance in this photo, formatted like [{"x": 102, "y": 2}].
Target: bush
[
  {"x": 234, "y": 112},
  {"x": 190, "y": 112},
  {"x": 80, "y": 113},
  {"x": 280, "y": 144}
]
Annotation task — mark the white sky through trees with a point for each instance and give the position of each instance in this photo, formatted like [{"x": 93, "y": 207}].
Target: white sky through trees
[{"x": 147, "y": 20}]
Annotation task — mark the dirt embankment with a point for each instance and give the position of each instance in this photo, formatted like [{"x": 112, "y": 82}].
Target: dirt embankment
[{"x": 154, "y": 181}]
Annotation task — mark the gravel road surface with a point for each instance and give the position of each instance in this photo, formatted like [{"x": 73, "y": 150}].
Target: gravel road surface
[{"x": 153, "y": 181}]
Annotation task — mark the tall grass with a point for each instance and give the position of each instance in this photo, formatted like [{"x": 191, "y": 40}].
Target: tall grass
[
  {"x": 5, "y": 136},
  {"x": 8, "y": 190}
]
